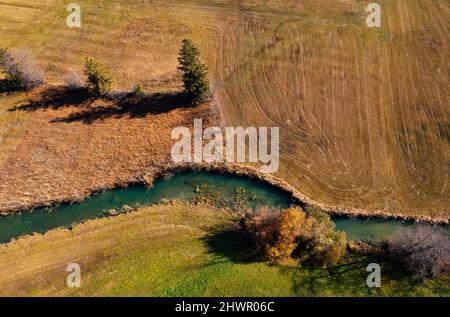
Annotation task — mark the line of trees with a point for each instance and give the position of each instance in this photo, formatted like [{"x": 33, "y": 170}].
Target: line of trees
[
  {"x": 423, "y": 251},
  {"x": 22, "y": 74}
]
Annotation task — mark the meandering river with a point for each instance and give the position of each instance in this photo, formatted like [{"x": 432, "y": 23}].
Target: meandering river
[{"x": 222, "y": 189}]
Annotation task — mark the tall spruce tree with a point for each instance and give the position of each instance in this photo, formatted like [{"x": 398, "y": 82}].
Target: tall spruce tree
[{"x": 195, "y": 76}]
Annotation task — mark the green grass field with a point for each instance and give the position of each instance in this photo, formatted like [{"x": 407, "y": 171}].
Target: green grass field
[{"x": 179, "y": 250}]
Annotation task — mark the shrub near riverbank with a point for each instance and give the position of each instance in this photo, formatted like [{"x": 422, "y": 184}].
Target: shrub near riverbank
[
  {"x": 21, "y": 73},
  {"x": 280, "y": 235}
]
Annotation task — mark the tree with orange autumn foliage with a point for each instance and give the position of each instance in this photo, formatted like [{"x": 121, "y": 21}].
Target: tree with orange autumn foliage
[{"x": 278, "y": 233}]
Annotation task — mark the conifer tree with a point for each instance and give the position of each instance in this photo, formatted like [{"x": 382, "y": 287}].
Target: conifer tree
[
  {"x": 195, "y": 77},
  {"x": 98, "y": 79}
]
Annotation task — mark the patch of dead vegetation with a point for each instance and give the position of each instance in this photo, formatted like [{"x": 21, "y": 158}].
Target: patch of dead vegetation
[{"x": 73, "y": 145}]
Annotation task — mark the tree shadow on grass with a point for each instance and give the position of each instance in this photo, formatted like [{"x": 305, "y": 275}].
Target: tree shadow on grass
[
  {"x": 232, "y": 244},
  {"x": 351, "y": 275},
  {"x": 130, "y": 106},
  {"x": 6, "y": 86},
  {"x": 57, "y": 97}
]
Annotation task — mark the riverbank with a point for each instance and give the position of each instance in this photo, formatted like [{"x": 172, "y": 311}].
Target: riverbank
[
  {"x": 178, "y": 249},
  {"x": 237, "y": 193},
  {"x": 166, "y": 171},
  {"x": 300, "y": 198}
]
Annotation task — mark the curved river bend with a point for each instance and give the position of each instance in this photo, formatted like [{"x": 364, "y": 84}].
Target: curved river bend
[{"x": 188, "y": 186}]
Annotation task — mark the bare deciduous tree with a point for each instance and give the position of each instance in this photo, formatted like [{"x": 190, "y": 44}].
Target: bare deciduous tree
[
  {"x": 423, "y": 250},
  {"x": 21, "y": 72}
]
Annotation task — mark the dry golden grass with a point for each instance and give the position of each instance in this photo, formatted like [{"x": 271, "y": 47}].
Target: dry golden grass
[
  {"x": 72, "y": 145},
  {"x": 12, "y": 124},
  {"x": 363, "y": 113}
]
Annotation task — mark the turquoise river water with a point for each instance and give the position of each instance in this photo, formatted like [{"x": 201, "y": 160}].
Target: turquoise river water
[{"x": 224, "y": 189}]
